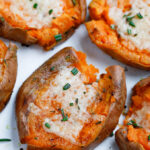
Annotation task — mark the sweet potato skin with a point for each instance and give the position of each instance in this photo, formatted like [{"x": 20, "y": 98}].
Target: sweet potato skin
[
  {"x": 108, "y": 41},
  {"x": 25, "y": 97},
  {"x": 121, "y": 134},
  {"x": 22, "y": 35},
  {"x": 9, "y": 78}
]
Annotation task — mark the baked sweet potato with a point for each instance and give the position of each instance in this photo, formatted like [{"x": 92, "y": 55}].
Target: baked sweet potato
[
  {"x": 46, "y": 22},
  {"x": 63, "y": 106},
  {"x": 121, "y": 29},
  {"x": 8, "y": 71},
  {"x": 135, "y": 133}
]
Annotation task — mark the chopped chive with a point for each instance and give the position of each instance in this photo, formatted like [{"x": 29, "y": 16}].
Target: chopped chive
[
  {"x": 112, "y": 26},
  {"x": 133, "y": 123},
  {"x": 74, "y": 2},
  {"x": 135, "y": 34},
  {"x": 129, "y": 18},
  {"x": 139, "y": 15},
  {"x": 78, "y": 107},
  {"x": 54, "y": 17},
  {"x": 47, "y": 125},
  {"x": 35, "y": 5},
  {"x": 50, "y": 11},
  {"x": 5, "y": 140},
  {"x": 84, "y": 92},
  {"x": 99, "y": 122},
  {"x": 5, "y": 62},
  {"x": 127, "y": 15},
  {"x": 129, "y": 31},
  {"x": 35, "y": 138},
  {"x": 77, "y": 100},
  {"x": 131, "y": 23},
  {"x": 74, "y": 71},
  {"x": 149, "y": 138},
  {"x": 58, "y": 37},
  {"x": 52, "y": 68},
  {"x": 2, "y": 19},
  {"x": 111, "y": 134},
  {"x": 67, "y": 86},
  {"x": 71, "y": 104},
  {"x": 65, "y": 117}
]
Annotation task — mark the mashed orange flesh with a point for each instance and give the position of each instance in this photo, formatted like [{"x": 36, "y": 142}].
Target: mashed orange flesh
[
  {"x": 39, "y": 137},
  {"x": 141, "y": 134}
]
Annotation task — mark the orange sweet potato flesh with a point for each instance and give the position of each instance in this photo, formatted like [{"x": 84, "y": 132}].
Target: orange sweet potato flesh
[
  {"x": 111, "y": 99},
  {"x": 8, "y": 72},
  {"x": 109, "y": 41},
  {"x": 65, "y": 25},
  {"x": 130, "y": 135}
]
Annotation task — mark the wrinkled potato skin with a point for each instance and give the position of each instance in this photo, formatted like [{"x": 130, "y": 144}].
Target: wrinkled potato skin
[
  {"x": 121, "y": 134},
  {"x": 22, "y": 36},
  {"x": 25, "y": 96},
  {"x": 107, "y": 39},
  {"x": 9, "y": 78}
]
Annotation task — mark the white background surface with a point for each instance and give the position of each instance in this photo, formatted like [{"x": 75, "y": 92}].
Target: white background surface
[{"x": 30, "y": 58}]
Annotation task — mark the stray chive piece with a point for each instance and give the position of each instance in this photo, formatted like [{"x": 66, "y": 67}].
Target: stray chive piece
[
  {"x": 50, "y": 11},
  {"x": 5, "y": 140},
  {"x": 139, "y": 15},
  {"x": 65, "y": 117},
  {"x": 74, "y": 2},
  {"x": 35, "y": 138},
  {"x": 52, "y": 68},
  {"x": 5, "y": 62},
  {"x": 71, "y": 104},
  {"x": 67, "y": 86},
  {"x": 112, "y": 26},
  {"x": 58, "y": 37},
  {"x": 77, "y": 100},
  {"x": 133, "y": 123},
  {"x": 47, "y": 125},
  {"x": 84, "y": 92},
  {"x": 35, "y": 5},
  {"x": 131, "y": 23},
  {"x": 129, "y": 31},
  {"x": 78, "y": 107},
  {"x": 99, "y": 122},
  {"x": 149, "y": 138},
  {"x": 2, "y": 19},
  {"x": 74, "y": 71},
  {"x": 111, "y": 134}
]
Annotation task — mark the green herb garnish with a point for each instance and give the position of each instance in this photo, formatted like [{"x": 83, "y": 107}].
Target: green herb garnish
[
  {"x": 74, "y": 2},
  {"x": 67, "y": 86},
  {"x": 74, "y": 71},
  {"x": 133, "y": 123},
  {"x": 99, "y": 122},
  {"x": 149, "y": 138},
  {"x": 65, "y": 117},
  {"x": 129, "y": 31},
  {"x": 58, "y": 37},
  {"x": 5, "y": 140},
  {"x": 71, "y": 104},
  {"x": 50, "y": 11},
  {"x": 2, "y": 19},
  {"x": 131, "y": 23},
  {"x": 35, "y": 5},
  {"x": 139, "y": 16},
  {"x": 77, "y": 100},
  {"x": 112, "y": 26},
  {"x": 47, "y": 125},
  {"x": 52, "y": 68},
  {"x": 111, "y": 134}
]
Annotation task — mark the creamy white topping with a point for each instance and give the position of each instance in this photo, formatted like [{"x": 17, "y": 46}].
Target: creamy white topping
[
  {"x": 77, "y": 114},
  {"x": 36, "y": 13},
  {"x": 140, "y": 34},
  {"x": 34, "y": 109},
  {"x": 142, "y": 116}
]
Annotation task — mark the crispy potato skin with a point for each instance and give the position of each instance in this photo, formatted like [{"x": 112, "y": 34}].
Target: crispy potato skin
[
  {"x": 9, "y": 78},
  {"x": 25, "y": 96},
  {"x": 22, "y": 35},
  {"x": 107, "y": 39},
  {"x": 121, "y": 134}
]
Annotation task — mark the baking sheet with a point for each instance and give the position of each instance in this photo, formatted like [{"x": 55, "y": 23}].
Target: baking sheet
[{"x": 30, "y": 58}]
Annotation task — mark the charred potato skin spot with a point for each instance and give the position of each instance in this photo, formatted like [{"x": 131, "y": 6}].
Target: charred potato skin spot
[
  {"x": 23, "y": 35},
  {"x": 9, "y": 77},
  {"x": 25, "y": 96},
  {"x": 121, "y": 134}
]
